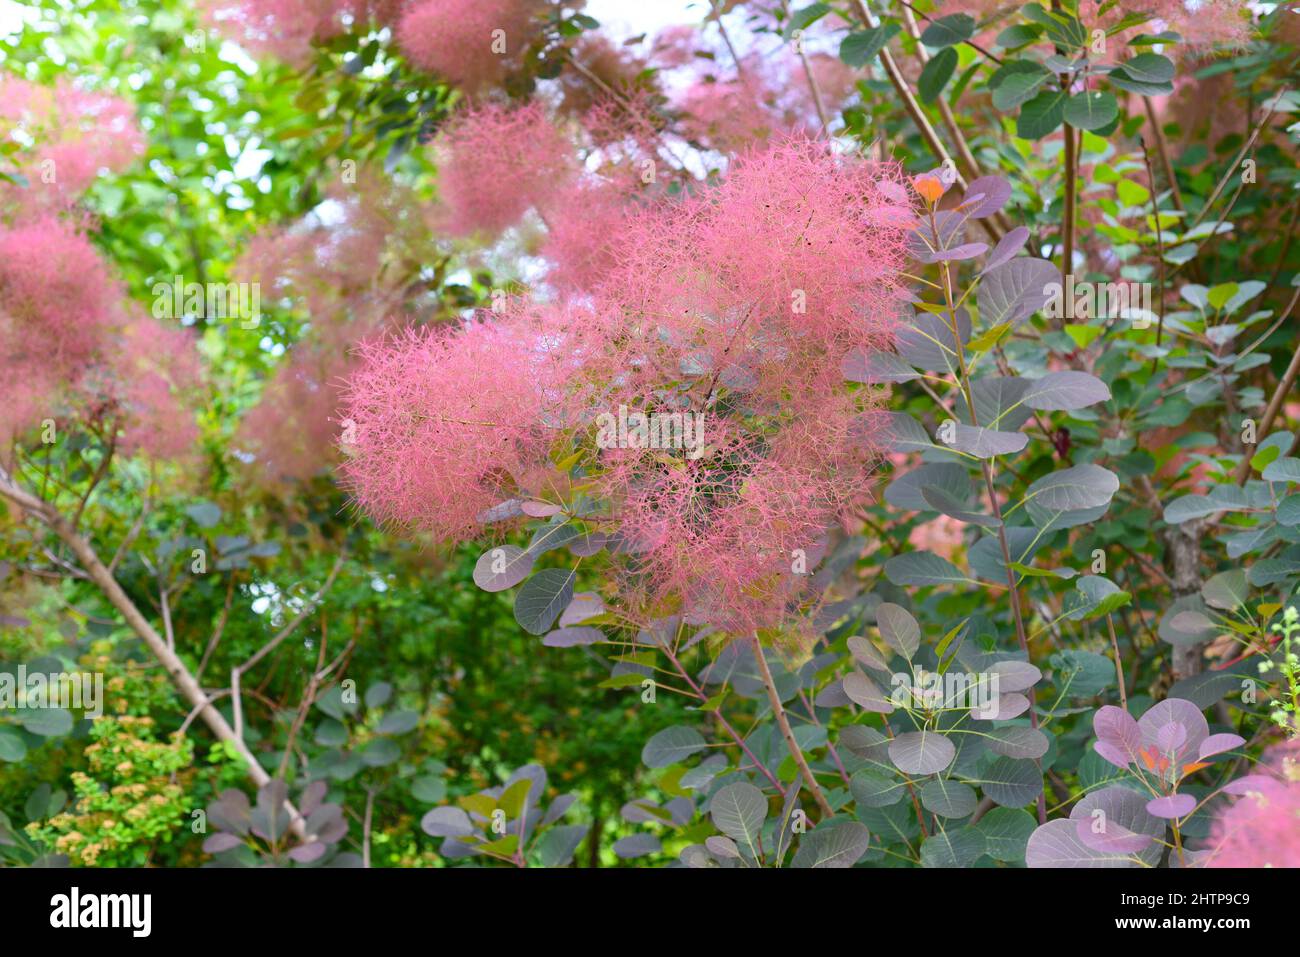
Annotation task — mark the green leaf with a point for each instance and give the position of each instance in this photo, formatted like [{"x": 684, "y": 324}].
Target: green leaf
[
  {"x": 1020, "y": 85},
  {"x": 1006, "y": 832},
  {"x": 859, "y": 49},
  {"x": 936, "y": 73},
  {"x": 738, "y": 811},
  {"x": 1091, "y": 110},
  {"x": 513, "y": 798},
  {"x": 46, "y": 722},
  {"x": 1219, "y": 295},
  {"x": 833, "y": 843},
  {"x": 922, "y": 568},
  {"x": 805, "y": 17},
  {"x": 949, "y": 31},
  {"x": 12, "y": 747},
  {"x": 542, "y": 598},
  {"x": 672, "y": 745},
  {"x": 1041, "y": 115},
  {"x": 1015, "y": 37},
  {"x": 1149, "y": 68}
]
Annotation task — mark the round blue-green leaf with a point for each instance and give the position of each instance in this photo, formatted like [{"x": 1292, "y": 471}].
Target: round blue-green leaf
[
  {"x": 637, "y": 845},
  {"x": 958, "y": 847},
  {"x": 921, "y": 752},
  {"x": 542, "y": 598},
  {"x": 1091, "y": 109},
  {"x": 672, "y": 745},
  {"x": 738, "y": 811},
  {"x": 1006, "y": 832},
  {"x": 833, "y": 844},
  {"x": 948, "y": 798},
  {"x": 46, "y": 722},
  {"x": 12, "y": 746},
  {"x": 502, "y": 567},
  {"x": 1011, "y": 782}
]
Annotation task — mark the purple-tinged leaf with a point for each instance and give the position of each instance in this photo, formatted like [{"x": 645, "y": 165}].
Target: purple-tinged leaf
[
  {"x": 987, "y": 443},
  {"x": 540, "y": 509},
  {"x": 1057, "y": 844},
  {"x": 1059, "y": 391},
  {"x": 962, "y": 252},
  {"x": 446, "y": 822},
  {"x": 985, "y": 196},
  {"x": 738, "y": 810},
  {"x": 833, "y": 696},
  {"x": 1113, "y": 812},
  {"x": 502, "y": 567},
  {"x": 722, "y": 847},
  {"x": 926, "y": 341},
  {"x": 306, "y": 853},
  {"x": 636, "y": 845},
  {"x": 875, "y": 367},
  {"x": 1179, "y": 712},
  {"x": 1007, "y": 247},
  {"x": 1170, "y": 737},
  {"x": 1103, "y": 834},
  {"x": 1113, "y": 753},
  {"x": 585, "y": 605},
  {"x": 899, "y": 629},
  {"x": 1014, "y": 291},
  {"x": 1015, "y": 675},
  {"x": 921, "y": 752},
  {"x": 573, "y": 636},
  {"x": 1017, "y": 742},
  {"x": 863, "y": 691},
  {"x": 221, "y": 841},
  {"x": 504, "y": 512},
  {"x": 1007, "y": 706},
  {"x": 1172, "y": 806},
  {"x": 865, "y": 652}
]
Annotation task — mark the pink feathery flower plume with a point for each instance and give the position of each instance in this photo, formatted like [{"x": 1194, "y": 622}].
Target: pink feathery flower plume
[
  {"x": 74, "y": 134},
  {"x": 346, "y": 267},
  {"x": 157, "y": 376},
  {"x": 287, "y": 29},
  {"x": 441, "y": 425},
  {"x": 58, "y": 306},
  {"x": 1261, "y": 828},
  {"x": 732, "y": 309},
  {"x": 496, "y": 162},
  {"x": 788, "y": 264},
  {"x": 468, "y": 42}
]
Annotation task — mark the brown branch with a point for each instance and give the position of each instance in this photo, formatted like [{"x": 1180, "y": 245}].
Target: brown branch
[{"x": 175, "y": 667}]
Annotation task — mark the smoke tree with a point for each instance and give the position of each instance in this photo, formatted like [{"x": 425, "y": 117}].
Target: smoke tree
[{"x": 879, "y": 417}]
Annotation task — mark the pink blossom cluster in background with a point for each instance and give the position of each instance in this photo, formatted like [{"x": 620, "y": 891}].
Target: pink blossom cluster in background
[
  {"x": 66, "y": 335},
  {"x": 287, "y": 29},
  {"x": 470, "y": 43},
  {"x": 344, "y": 267}
]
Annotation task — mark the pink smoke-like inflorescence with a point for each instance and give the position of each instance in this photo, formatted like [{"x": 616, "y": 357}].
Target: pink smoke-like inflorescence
[
  {"x": 288, "y": 29},
  {"x": 736, "y": 305},
  {"x": 1262, "y": 827},
  {"x": 345, "y": 268},
  {"x": 470, "y": 43},
  {"x": 67, "y": 340},
  {"x": 497, "y": 162},
  {"x": 76, "y": 133}
]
